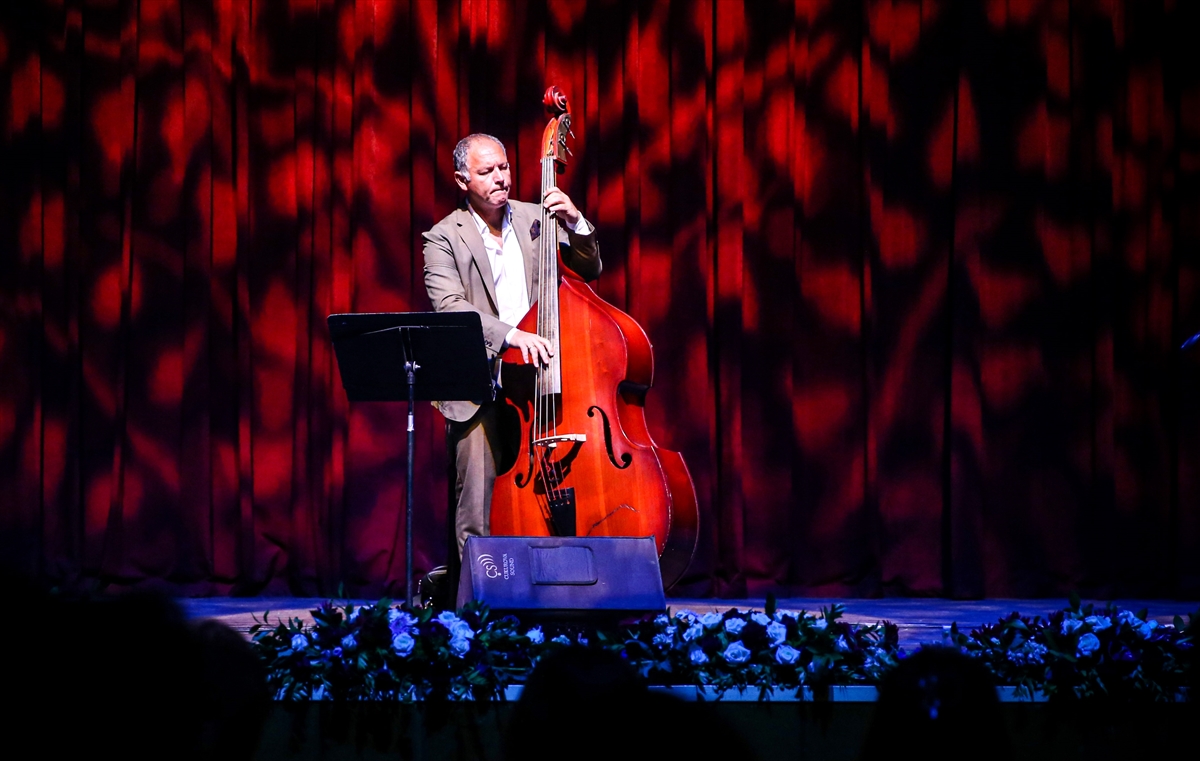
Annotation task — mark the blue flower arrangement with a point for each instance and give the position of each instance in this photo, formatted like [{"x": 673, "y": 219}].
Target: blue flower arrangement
[
  {"x": 1082, "y": 653},
  {"x": 386, "y": 652},
  {"x": 389, "y": 652},
  {"x": 768, "y": 650}
]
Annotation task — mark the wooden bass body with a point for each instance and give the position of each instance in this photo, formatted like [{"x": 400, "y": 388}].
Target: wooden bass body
[{"x": 602, "y": 473}]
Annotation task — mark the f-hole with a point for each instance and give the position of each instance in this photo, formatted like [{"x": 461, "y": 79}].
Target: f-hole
[{"x": 626, "y": 458}]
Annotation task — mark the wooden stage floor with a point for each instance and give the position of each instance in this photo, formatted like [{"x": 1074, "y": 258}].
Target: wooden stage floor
[{"x": 920, "y": 620}]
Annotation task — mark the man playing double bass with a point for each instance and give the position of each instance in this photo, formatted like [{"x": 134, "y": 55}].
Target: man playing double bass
[{"x": 483, "y": 258}]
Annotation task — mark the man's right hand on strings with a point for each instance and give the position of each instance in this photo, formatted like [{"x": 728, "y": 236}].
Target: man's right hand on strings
[{"x": 531, "y": 344}]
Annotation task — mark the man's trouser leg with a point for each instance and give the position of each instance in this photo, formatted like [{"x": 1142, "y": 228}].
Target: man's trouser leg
[
  {"x": 474, "y": 443},
  {"x": 479, "y": 448}
]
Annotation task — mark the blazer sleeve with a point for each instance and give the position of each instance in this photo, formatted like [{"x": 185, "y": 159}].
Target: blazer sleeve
[
  {"x": 580, "y": 252},
  {"x": 449, "y": 284}
]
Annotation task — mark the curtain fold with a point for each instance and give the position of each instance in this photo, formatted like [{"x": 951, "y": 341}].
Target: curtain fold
[{"x": 916, "y": 274}]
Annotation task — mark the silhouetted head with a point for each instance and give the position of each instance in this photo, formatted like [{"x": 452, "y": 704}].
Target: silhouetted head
[
  {"x": 936, "y": 704},
  {"x": 233, "y": 692},
  {"x": 590, "y": 704},
  {"x": 118, "y": 674},
  {"x": 566, "y": 695}
]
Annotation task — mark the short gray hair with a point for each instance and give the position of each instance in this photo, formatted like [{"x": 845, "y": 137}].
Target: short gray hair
[{"x": 464, "y": 145}]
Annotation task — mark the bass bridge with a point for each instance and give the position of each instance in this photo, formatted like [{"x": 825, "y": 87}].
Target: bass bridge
[{"x": 550, "y": 442}]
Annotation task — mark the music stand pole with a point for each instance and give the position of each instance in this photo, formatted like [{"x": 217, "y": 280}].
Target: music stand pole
[
  {"x": 378, "y": 356},
  {"x": 410, "y": 368}
]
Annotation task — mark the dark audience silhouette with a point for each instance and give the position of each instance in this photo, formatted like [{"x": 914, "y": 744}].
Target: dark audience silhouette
[
  {"x": 584, "y": 704},
  {"x": 126, "y": 676},
  {"x": 234, "y": 697},
  {"x": 938, "y": 703}
]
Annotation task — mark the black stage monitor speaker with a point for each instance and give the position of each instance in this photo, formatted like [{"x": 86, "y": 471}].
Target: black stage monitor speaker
[{"x": 566, "y": 578}]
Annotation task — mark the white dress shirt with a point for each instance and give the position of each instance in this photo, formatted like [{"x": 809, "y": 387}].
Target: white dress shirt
[{"x": 508, "y": 267}]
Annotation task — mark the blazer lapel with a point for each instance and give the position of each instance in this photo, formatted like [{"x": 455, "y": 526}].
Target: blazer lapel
[{"x": 469, "y": 234}]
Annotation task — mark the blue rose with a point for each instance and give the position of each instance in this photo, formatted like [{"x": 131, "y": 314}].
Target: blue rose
[
  {"x": 399, "y": 621},
  {"x": 734, "y": 625},
  {"x": 687, "y": 616},
  {"x": 403, "y": 643},
  {"x": 459, "y": 646},
  {"x": 1127, "y": 617},
  {"x": 762, "y": 619},
  {"x": 1146, "y": 628},
  {"x": 336, "y": 652},
  {"x": 446, "y": 618},
  {"x": 736, "y": 652},
  {"x": 462, "y": 629},
  {"x": 354, "y": 615},
  {"x": 1034, "y": 652},
  {"x": 711, "y": 619},
  {"x": 661, "y": 640},
  {"x": 661, "y": 619},
  {"x": 1069, "y": 625},
  {"x": 842, "y": 646},
  {"x": 1088, "y": 644},
  {"x": 695, "y": 630},
  {"x": 820, "y": 624},
  {"x": 348, "y": 642},
  {"x": 1098, "y": 623},
  {"x": 535, "y": 635},
  {"x": 299, "y": 642},
  {"x": 777, "y": 632},
  {"x": 561, "y": 640},
  {"x": 787, "y": 655},
  {"x": 696, "y": 655}
]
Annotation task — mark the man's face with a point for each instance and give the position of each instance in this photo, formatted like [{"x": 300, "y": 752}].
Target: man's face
[{"x": 487, "y": 178}]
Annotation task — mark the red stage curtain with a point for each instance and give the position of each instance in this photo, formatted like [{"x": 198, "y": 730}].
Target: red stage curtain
[{"x": 916, "y": 273}]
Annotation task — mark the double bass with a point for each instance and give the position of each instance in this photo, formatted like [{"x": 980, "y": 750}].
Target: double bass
[{"x": 586, "y": 464}]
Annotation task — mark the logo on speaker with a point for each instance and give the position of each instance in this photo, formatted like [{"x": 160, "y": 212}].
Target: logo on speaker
[{"x": 490, "y": 569}]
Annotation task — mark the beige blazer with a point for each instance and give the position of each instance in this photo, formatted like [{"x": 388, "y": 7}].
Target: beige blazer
[{"x": 458, "y": 277}]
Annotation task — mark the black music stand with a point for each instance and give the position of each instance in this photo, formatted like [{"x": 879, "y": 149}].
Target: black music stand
[{"x": 379, "y": 354}]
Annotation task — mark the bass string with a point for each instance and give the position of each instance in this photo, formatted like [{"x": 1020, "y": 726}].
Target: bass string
[
  {"x": 555, "y": 390},
  {"x": 545, "y": 408}
]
